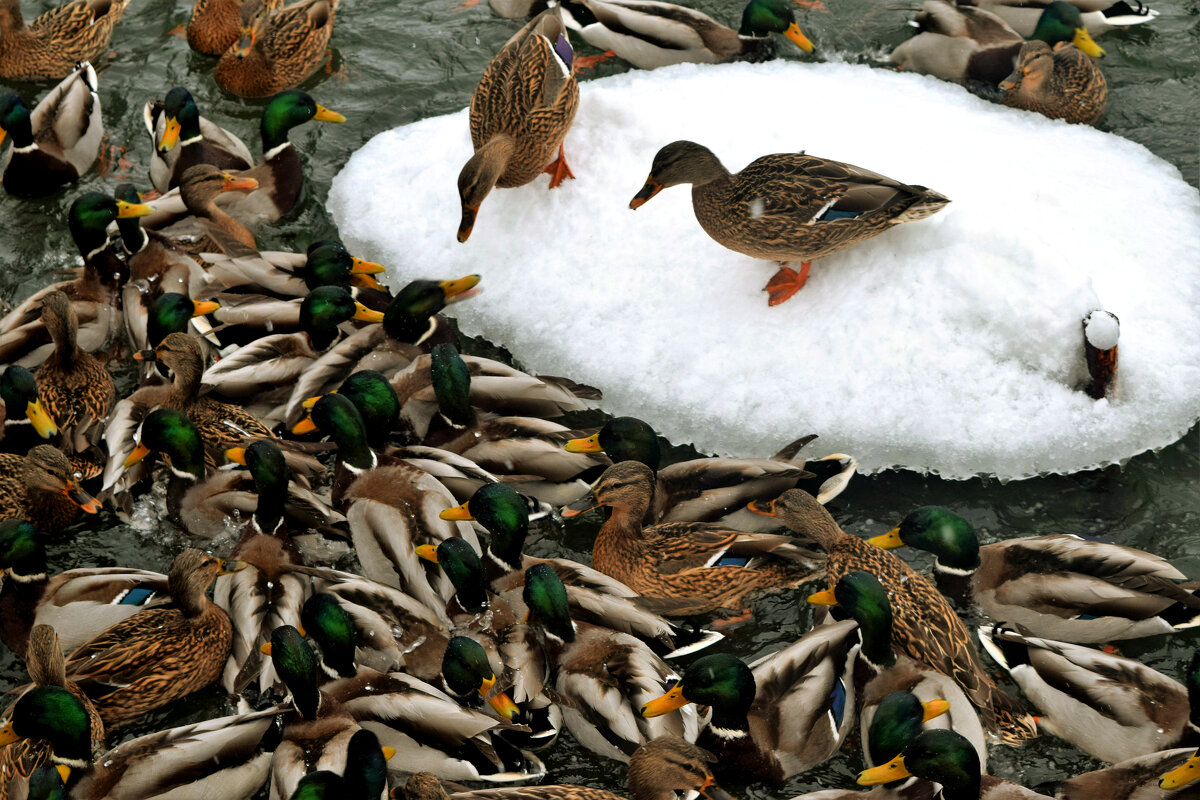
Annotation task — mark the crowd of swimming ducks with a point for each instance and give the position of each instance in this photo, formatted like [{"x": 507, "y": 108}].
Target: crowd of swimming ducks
[{"x": 292, "y": 412}]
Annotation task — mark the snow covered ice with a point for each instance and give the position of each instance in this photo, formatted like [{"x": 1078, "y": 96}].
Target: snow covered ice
[{"x": 953, "y": 345}]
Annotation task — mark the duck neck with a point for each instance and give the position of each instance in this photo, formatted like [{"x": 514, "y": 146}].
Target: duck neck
[
  {"x": 969, "y": 789},
  {"x": 11, "y": 21},
  {"x": 230, "y": 225},
  {"x": 186, "y": 386},
  {"x": 268, "y": 515},
  {"x": 729, "y": 724},
  {"x": 64, "y": 334}
]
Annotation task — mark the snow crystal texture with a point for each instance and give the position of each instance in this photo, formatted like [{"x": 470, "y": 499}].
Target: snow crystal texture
[{"x": 953, "y": 345}]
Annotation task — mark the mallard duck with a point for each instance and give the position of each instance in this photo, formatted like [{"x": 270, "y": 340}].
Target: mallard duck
[
  {"x": 22, "y": 404},
  {"x": 175, "y": 120},
  {"x": 1059, "y": 82},
  {"x": 1059, "y": 587},
  {"x": 666, "y": 764},
  {"x": 1113, "y": 708},
  {"x": 1099, "y": 16},
  {"x": 469, "y": 677},
  {"x": 861, "y": 595},
  {"x": 40, "y": 487},
  {"x": 412, "y": 325},
  {"x": 695, "y": 562},
  {"x": 365, "y": 775},
  {"x": 784, "y": 714},
  {"x": 925, "y": 626},
  {"x": 44, "y": 660},
  {"x": 23, "y": 338},
  {"x": 161, "y": 653},
  {"x": 716, "y": 489},
  {"x": 968, "y": 43},
  {"x": 787, "y": 206},
  {"x": 210, "y": 228},
  {"x": 1157, "y": 775},
  {"x": 57, "y": 143},
  {"x": 76, "y": 390},
  {"x": 280, "y": 174},
  {"x": 293, "y": 275},
  {"x": 520, "y": 113},
  {"x": 277, "y": 50},
  {"x": 78, "y": 603},
  {"x": 593, "y": 596},
  {"x": 215, "y": 25},
  {"x": 605, "y": 676},
  {"x": 53, "y": 44},
  {"x": 651, "y": 34},
  {"x": 947, "y": 758},
  {"x": 53, "y": 715}
]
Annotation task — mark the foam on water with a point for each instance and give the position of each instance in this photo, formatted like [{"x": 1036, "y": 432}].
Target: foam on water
[{"x": 953, "y": 344}]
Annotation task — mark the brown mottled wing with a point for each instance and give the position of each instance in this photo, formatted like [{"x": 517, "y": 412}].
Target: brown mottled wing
[
  {"x": 12, "y": 487},
  {"x": 74, "y": 19},
  {"x": 297, "y": 35}
]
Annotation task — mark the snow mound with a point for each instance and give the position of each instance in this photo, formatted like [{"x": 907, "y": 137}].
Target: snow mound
[{"x": 953, "y": 345}]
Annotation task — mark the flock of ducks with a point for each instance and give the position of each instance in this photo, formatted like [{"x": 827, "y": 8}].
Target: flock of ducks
[{"x": 293, "y": 414}]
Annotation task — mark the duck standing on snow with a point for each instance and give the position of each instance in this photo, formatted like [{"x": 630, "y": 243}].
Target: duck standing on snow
[
  {"x": 787, "y": 206},
  {"x": 520, "y": 113}
]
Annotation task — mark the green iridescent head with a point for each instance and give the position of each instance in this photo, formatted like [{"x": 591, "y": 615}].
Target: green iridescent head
[
  {"x": 22, "y": 402},
  {"x": 287, "y": 110},
  {"x": 171, "y": 433},
  {"x": 465, "y": 668},
  {"x": 366, "y": 767},
  {"x": 899, "y": 719},
  {"x": 171, "y": 312},
  {"x": 1062, "y": 22},
  {"x": 21, "y": 548},
  {"x": 409, "y": 316},
  {"x": 15, "y": 120},
  {"x": 452, "y": 384},
  {"x": 940, "y": 531},
  {"x": 298, "y": 667},
  {"x": 45, "y": 783},
  {"x": 54, "y": 715},
  {"x": 505, "y": 515},
  {"x": 335, "y": 415},
  {"x": 322, "y": 785},
  {"x": 546, "y": 598},
  {"x": 723, "y": 682},
  {"x": 330, "y": 625},
  {"x": 132, "y": 235},
  {"x": 91, "y": 213},
  {"x": 764, "y": 17},
  {"x": 935, "y": 755},
  {"x": 630, "y": 439},
  {"x": 461, "y": 563},
  {"x": 271, "y": 474},
  {"x": 180, "y": 108},
  {"x": 863, "y": 597},
  {"x": 323, "y": 310},
  {"x": 375, "y": 399}
]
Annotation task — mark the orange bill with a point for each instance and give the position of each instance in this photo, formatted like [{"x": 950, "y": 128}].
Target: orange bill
[
  {"x": 304, "y": 426},
  {"x": 669, "y": 702},
  {"x": 651, "y": 188},
  {"x": 364, "y": 314},
  {"x": 460, "y": 513},
  {"x": 590, "y": 444},
  {"x": 139, "y": 452},
  {"x": 798, "y": 38},
  {"x": 427, "y": 552},
  {"x": 202, "y": 307},
  {"x": 79, "y": 497},
  {"x": 237, "y": 455},
  {"x": 894, "y": 770},
  {"x": 170, "y": 136},
  {"x": 825, "y": 598},
  {"x": 1182, "y": 775},
  {"x": 359, "y": 266},
  {"x": 935, "y": 708},
  {"x": 888, "y": 541},
  {"x": 325, "y": 115},
  {"x": 40, "y": 420}
]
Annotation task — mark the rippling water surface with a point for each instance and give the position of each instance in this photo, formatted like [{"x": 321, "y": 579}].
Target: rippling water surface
[{"x": 396, "y": 62}]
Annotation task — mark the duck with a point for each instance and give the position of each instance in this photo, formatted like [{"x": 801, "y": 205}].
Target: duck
[
  {"x": 1058, "y": 82},
  {"x": 412, "y": 325},
  {"x": 784, "y": 714},
  {"x": 1111, "y": 707},
  {"x": 593, "y": 596},
  {"x": 22, "y": 404},
  {"x": 885, "y": 677},
  {"x": 364, "y": 777},
  {"x": 970, "y": 43},
  {"x": 651, "y": 35},
  {"x": 77, "y": 603},
  {"x": 1099, "y": 16},
  {"x": 59, "y": 141},
  {"x": 40, "y": 488},
  {"x": 176, "y": 121},
  {"x": 93, "y": 292},
  {"x": 76, "y": 390},
  {"x": 664, "y": 764},
  {"x": 54, "y": 715},
  {"x": 687, "y": 562},
  {"x": 515, "y": 140},
  {"x": 44, "y": 661},
  {"x": 215, "y": 25},
  {"x": 787, "y": 206},
  {"x": 284, "y": 274},
  {"x": 605, "y": 676},
  {"x": 1163, "y": 774},
  {"x": 161, "y": 653},
  {"x": 280, "y": 174},
  {"x": 210, "y": 228},
  {"x": 1060, "y": 586},
  {"x": 949, "y": 759},
  {"x": 716, "y": 489},
  {"x": 278, "y": 50},
  {"x": 56, "y": 41},
  {"x": 925, "y": 626}
]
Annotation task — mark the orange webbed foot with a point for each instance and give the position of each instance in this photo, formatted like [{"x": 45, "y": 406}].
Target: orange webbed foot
[
  {"x": 745, "y": 615},
  {"x": 786, "y": 283},
  {"x": 589, "y": 62},
  {"x": 558, "y": 170},
  {"x": 467, "y": 4}
]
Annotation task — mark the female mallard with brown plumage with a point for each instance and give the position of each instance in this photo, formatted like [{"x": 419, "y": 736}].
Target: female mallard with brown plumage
[
  {"x": 520, "y": 113},
  {"x": 1060, "y": 82},
  {"x": 59, "y": 141},
  {"x": 75, "y": 387},
  {"x": 53, "y": 44},
  {"x": 277, "y": 49},
  {"x": 209, "y": 227},
  {"x": 925, "y": 625},
  {"x": 787, "y": 206},
  {"x": 689, "y": 562},
  {"x": 215, "y": 25},
  {"x": 40, "y": 487},
  {"x": 162, "y": 653}
]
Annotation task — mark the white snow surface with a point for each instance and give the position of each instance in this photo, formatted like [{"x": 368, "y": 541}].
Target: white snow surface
[
  {"x": 1102, "y": 330},
  {"x": 952, "y": 345}
]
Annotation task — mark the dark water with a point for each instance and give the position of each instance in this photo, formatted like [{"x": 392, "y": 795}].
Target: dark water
[{"x": 396, "y": 62}]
